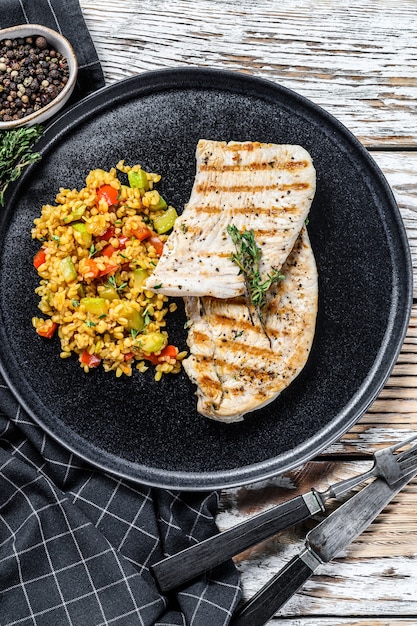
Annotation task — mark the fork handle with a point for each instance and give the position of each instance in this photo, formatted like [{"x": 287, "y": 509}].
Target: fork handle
[
  {"x": 271, "y": 597},
  {"x": 175, "y": 570}
]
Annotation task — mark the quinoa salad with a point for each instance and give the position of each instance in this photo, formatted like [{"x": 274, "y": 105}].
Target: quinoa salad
[{"x": 98, "y": 246}]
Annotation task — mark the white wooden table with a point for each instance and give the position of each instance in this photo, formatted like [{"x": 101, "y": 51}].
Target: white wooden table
[{"x": 358, "y": 60}]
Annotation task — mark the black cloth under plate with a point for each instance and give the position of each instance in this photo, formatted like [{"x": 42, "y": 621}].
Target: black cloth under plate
[{"x": 76, "y": 543}]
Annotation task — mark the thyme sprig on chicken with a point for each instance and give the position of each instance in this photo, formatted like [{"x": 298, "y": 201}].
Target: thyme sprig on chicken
[
  {"x": 248, "y": 257},
  {"x": 16, "y": 153}
]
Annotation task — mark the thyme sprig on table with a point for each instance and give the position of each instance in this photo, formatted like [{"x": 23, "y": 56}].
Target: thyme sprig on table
[
  {"x": 16, "y": 153},
  {"x": 248, "y": 257}
]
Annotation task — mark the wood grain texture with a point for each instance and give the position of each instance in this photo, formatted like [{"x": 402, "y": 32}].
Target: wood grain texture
[
  {"x": 356, "y": 59},
  {"x": 400, "y": 170}
]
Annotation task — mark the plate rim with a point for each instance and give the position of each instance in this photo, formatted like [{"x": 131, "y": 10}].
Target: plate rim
[{"x": 388, "y": 351}]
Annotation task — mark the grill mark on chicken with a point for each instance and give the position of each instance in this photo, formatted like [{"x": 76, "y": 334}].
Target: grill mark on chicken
[
  {"x": 232, "y": 346},
  {"x": 235, "y": 368},
  {"x": 206, "y": 187},
  {"x": 248, "y": 146},
  {"x": 256, "y": 210},
  {"x": 232, "y": 186},
  {"x": 288, "y": 165}
]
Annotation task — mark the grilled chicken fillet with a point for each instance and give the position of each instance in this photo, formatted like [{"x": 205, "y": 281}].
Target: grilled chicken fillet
[
  {"x": 239, "y": 366},
  {"x": 267, "y": 188}
]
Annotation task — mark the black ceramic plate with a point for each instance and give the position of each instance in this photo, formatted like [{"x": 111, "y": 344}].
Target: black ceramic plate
[{"x": 151, "y": 432}]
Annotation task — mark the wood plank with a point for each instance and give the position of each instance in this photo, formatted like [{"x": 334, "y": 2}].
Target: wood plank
[
  {"x": 400, "y": 170},
  {"x": 357, "y": 60}
]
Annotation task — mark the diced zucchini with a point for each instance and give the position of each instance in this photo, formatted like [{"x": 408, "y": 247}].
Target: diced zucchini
[
  {"x": 67, "y": 269},
  {"x": 133, "y": 316},
  {"x": 138, "y": 178},
  {"x": 158, "y": 206},
  {"x": 139, "y": 276},
  {"x": 108, "y": 292},
  {"x": 153, "y": 342},
  {"x": 96, "y": 306},
  {"x": 164, "y": 222},
  {"x": 75, "y": 215},
  {"x": 81, "y": 235}
]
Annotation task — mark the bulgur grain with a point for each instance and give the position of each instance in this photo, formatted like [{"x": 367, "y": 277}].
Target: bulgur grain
[{"x": 91, "y": 267}]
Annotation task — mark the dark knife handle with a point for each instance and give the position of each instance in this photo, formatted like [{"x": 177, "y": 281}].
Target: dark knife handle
[
  {"x": 272, "y": 596},
  {"x": 175, "y": 570}
]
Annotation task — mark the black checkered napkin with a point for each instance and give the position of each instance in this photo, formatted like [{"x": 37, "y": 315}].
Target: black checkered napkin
[{"x": 76, "y": 544}]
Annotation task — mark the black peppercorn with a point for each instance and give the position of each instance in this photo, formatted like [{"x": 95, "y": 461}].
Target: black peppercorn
[
  {"x": 41, "y": 43},
  {"x": 32, "y": 74}
]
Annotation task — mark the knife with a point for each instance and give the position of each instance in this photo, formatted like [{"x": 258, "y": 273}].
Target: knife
[
  {"x": 175, "y": 570},
  {"x": 323, "y": 543}
]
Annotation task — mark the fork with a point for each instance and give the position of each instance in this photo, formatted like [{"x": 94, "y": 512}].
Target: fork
[{"x": 183, "y": 566}]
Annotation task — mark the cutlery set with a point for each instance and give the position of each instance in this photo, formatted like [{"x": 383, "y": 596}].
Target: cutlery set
[{"x": 391, "y": 472}]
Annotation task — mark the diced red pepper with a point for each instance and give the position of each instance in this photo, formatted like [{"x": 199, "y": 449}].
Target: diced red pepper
[
  {"x": 92, "y": 360},
  {"x": 39, "y": 258},
  {"x": 142, "y": 233},
  {"x": 47, "y": 331},
  {"x": 152, "y": 358},
  {"x": 110, "y": 269},
  {"x": 122, "y": 242},
  {"x": 169, "y": 350},
  {"x": 157, "y": 243},
  {"x": 108, "y": 234},
  {"x": 108, "y": 193},
  {"x": 90, "y": 267},
  {"x": 129, "y": 356},
  {"x": 108, "y": 250}
]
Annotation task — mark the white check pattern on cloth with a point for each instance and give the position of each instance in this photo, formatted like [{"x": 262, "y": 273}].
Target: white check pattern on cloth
[{"x": 76, "y": 543}]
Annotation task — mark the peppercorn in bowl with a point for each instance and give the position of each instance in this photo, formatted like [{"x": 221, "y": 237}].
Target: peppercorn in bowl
[{"x": 38, "y": 72}]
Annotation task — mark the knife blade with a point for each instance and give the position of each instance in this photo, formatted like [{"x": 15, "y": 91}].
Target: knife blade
[{"x": 323, "y": 543}]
